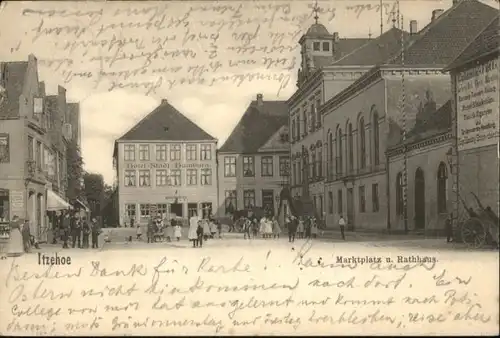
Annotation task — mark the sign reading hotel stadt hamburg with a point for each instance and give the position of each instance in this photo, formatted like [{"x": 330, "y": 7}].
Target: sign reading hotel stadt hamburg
[
  {"x": 175, "y": 165},
  {"x": 477, "y": 106}
]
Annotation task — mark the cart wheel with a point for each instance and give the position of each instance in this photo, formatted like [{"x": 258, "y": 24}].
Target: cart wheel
[{"x": 473, "y": 233}]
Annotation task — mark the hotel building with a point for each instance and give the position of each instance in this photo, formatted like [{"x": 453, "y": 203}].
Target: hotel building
[{"x": 165, "y": 165}]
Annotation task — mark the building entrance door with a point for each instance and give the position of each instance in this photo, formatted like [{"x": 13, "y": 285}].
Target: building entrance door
[
  {"x": 350, "y": 209},
  {"x": 419, "y": 199},
  {"x": 268, "y": 201},
  {"x": 192, "y": 209},
  {"x": 176, "y": 209}
]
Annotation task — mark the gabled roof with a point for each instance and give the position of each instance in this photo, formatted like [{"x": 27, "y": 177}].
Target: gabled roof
[
  {"x": 259, "y": 123},
  {"x": 165, "y": 123},
  {"x": 12, "y": 79},
  {"x": 346, "y": 46},
  {"x": 444, "y": 38},
  {"x": 486, "y": 42},
  {"x": 375, "y": 51}
]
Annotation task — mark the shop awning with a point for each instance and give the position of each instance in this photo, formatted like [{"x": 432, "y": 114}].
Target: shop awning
[
  {"x": 81, "y": 205},
  {"x": 55, "y": 202}
]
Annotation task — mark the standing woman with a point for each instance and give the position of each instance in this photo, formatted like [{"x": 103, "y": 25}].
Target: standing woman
[
  {"x": 269, "y": 227},
  {"x": 206, "y": 229},
  {"x": 276, "y": 228},
  {"x": 25, "y": 232},
  {"x": 192, "y": 235},
  {"x": 150, "y": 231},
  {"x": 15, "y": 246}
]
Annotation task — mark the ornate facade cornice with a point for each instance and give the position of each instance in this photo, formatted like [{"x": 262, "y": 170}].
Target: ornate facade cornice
[{"x": 416, "y": 145}]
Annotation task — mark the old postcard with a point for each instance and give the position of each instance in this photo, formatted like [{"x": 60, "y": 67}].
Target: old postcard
[{"x": 249, "y": 167}]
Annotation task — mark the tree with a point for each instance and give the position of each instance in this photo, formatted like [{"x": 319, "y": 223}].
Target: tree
[
  {"x": 94, "y": 192},
  {"x": 74, "y": 163}
]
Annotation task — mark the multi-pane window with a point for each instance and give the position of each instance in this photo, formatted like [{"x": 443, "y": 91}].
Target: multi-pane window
[
  {"x": 375, "y": 197},
  {"x": 206, "y": 176},
  {"x": 161, "y": 177},
  {"x": 326, "y": 46},
  {"x": 39, "y": 156},
  {"x": 130, "y": 211},
  {"x": 267, "y": 166},
  {"x": 161, "y": 152},
  {"x": 206, "y": 209},
  {"x": 191, "y": 152},
  {"x": 175, "y": 177},
  {"x": 205, "y": 152},
  {"x": 143, "y": 152},
  {"x": 30, "y": 148},
  {"x": 339, "y": 202},
  {"x": 362, "y": 144},
  {"x": 376, "y": 140},
  {"x": 129, "y": 180},
  {"x": 362, "y": 199},
  {"x": 230, "y": 201},
  {"x": 129, "y": 152},
  {"x": 229, "y": 166},
  {"x": 248, "y": 198},
  {"x": 144, "y": 178},
  {"x": 161, "y": 209},
  {"x": 316, "y": 46},
  {"x": 145, "y": 210},
  {"x": 318, "y": 114},
  {"x": 248, "y": 166},
  {"x": 192, "y": 176},
  {"x": 319, "y": 163},
  {"x": 175, "y": 152},
  {"x": 330, "y": 202},
  {"x": 284, "y": 166}
]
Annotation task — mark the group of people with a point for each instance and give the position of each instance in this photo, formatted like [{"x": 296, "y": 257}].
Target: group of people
[
  {"x": 159, "y": 229},
  {"x": 267, "y": 227},
  {"x": 301, "y": 227},
  {"x": 202, "y": 229},
  {"x": 80, "y": 232},
  {"x": 20, "y": 239}
]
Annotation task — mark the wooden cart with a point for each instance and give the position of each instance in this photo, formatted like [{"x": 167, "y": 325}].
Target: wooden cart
[{"x": 480, "y": 228}]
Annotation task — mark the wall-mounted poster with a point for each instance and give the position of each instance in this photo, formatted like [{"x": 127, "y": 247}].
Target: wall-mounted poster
[{"x": 477, "y": 106}]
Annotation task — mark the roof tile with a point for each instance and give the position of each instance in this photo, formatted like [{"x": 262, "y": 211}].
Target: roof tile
[
  {"x": 165, "y": 123},
  {"x": 257, "y": 125},
  {"x": 442, "y": 40}
]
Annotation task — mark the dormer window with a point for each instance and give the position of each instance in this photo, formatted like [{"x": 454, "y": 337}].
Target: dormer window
[
  {"x": 316, "y": 46},
  {"x": 326, "y": 46}
]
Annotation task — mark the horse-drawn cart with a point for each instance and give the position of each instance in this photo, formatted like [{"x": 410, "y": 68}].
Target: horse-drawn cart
[{"x": 480, "y": 228}]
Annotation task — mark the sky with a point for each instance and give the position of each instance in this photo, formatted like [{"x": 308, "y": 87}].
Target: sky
[{"x": 208, "y": 59}]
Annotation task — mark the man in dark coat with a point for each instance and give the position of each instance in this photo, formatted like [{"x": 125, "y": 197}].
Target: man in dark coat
[
  {"x": 95, "y": 230},
  {"x": 66, "y": 224},
  {"x": 76, "y": 232}
]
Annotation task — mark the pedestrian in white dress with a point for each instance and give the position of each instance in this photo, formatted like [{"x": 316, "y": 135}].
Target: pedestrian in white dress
[
  {"x": 193, "y": 226},
  {"x": 262, "y": 227},
  {"x": 269, "y": 228},
  {"x": 177, "y": 232}
]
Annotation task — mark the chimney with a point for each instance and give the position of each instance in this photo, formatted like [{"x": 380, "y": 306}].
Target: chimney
[
  {"x": 164, "y": 101},
  {"x": 455, "y": 2},
  {"x": 436, "y": 13},
  {"x": 413, "y": 27},
  {"x": 41, "y": 88},
  {"x": 260, "y": 99},
  {"x": 335, "y": 36}
]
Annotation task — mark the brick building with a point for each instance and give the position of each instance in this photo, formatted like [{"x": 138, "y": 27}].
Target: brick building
[
  {"x": 253, "y": 163},
  {"x": 475, "y": 104}
]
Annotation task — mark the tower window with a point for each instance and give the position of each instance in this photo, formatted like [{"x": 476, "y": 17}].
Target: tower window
[
  {"x": 316, "y": 46},
  {"x": 326, "y": 46}
]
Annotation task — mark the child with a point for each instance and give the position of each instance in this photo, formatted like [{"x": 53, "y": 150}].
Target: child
[
  {"x": 300, "y": 229},
  {"x": 177, "y": 232},
  {"x": 213, "y": 229},
  {"x": 139, "y": 232}
]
